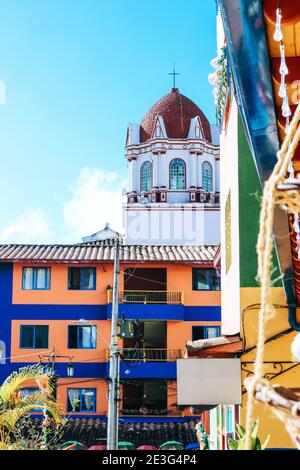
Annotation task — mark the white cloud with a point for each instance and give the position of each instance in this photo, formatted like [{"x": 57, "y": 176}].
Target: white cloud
[
  {"x": 31, "y": 226},
  {"x": 97, "y": 199}
]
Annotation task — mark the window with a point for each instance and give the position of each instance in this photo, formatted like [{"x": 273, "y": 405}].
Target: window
[
  {"x": 23, "y": 392},
  {"x": 207, "y": 177},
  {"x": 205, "y": 332},
  {"x": 197, "y": 132},
  {"x": 146, "y": 176},
  {"x": 81, "y": 399},
  {"x": 158, "y": 132},
  {"x": 205, "y": 279},
  {"x": 27, "y": 391},
  {"x": 34, "y": 336},
  {"x": 82, "y": 337},
  {"x": 36, "y": 278},
  {"x": 82, "y": 279},
  {"x": 177, "y": 174}
]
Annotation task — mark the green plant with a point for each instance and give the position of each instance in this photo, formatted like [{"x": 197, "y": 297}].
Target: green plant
[
  {"x": 29, "y": 435},
  {"x": 255, "y": 444},
  {"x": 202, "y": 436},
  {"x": 221, "y": 86},
  {"x": 13, "y": 406}
]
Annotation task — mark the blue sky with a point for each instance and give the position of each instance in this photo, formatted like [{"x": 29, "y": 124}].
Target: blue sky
[{"x": 76, "y": 73}]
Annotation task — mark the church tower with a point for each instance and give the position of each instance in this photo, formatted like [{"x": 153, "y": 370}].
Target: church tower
[{"x": 173, "y": 176}]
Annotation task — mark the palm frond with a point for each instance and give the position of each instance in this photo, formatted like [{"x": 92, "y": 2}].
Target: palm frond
[
  {"x": 15, "y": 381},
  {"x": 38, "y": 400}
]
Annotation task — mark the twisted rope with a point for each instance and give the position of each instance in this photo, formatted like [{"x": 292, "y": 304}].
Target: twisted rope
[{"x": 264, "y": 251}]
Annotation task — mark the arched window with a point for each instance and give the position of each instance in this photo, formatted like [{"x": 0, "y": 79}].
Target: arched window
[
  {"x": 177, "y": 174},
  {"x": 207, "y": 177},
  {"x": 146, "y": 177},
  {"x": 158, "y": 132},
  {"x": 197, "y": 132}
]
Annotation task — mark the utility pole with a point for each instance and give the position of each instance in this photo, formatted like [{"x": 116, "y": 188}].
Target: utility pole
[{"x": 114, "y": 364}]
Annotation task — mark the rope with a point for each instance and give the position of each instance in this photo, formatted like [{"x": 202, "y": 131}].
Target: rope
[{"x": 264, "y": 252}]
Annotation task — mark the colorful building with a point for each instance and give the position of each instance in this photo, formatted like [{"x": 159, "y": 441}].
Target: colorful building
[
  {"x": 56, "y": 299},
  {"x": 253, "y": 128}
]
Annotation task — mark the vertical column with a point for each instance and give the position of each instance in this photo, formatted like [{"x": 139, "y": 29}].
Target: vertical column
[
  {"x": 155, "y": 171},
  {"x": 134, "y": 179},
  {"x": 129, "y": 176},
  {"x": 217, "y": 176},
  {"x": 193, "y": 172},
  {"x": 159, "y": 174},
  {"x": 199, "y": 171}
]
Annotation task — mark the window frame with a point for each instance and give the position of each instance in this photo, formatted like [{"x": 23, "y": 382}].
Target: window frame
[
  {"x": 33, "y": 390},
  {"x": 80, "y": 400},
  {"x": 170, "y": 176},
  {"x": 147, "y": 162},
  {"x": 82, "y": 269},
  {"x": 205, "y": 330},
  {"x": 210, "y": 270},
  {"x": 81, "y": 326},
  {"x": 207, "y": 163},
  {"x": 34, "y": 337},
  {"x": 34, "y": 277}
]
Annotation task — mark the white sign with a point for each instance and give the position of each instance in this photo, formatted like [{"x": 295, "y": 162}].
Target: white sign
[{"x": 209, "y": 382}]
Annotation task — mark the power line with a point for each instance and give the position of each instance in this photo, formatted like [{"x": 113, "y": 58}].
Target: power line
[{"x": 25, "y": 355}]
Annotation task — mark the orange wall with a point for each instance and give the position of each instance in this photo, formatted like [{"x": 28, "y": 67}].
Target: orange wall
[
  {"x": 58, "y": 339},
  {"x": 58, "y": 292},
  {"x": 62, "y": 389},
  {"x": 178, "y": 333},
  {"x": 179, "y": 278}
]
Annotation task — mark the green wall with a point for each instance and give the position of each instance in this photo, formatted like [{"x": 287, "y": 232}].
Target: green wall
[{"x": 250, "y": 194}]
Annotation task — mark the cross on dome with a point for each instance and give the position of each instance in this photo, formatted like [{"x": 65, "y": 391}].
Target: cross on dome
[{"x": 174, "y": 73}]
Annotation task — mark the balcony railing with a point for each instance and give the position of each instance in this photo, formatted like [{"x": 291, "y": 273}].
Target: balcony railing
[
  {"x": 147, "y": 297},
  {"x": 149, "y": 354}
]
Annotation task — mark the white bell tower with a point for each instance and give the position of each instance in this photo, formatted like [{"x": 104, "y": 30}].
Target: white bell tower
[{"x": 173, "y": 176}]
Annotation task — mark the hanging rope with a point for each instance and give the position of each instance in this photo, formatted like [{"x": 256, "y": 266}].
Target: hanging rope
[{"x": 264, "y": 252}]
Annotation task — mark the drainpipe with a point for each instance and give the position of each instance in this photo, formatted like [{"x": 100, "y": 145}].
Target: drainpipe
[{"x": 292, "y": 305}]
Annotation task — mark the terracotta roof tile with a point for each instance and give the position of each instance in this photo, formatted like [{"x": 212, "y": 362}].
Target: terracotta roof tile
[
  {"x": 177, "y": 111},
  {"x": 104, "y": 251}
]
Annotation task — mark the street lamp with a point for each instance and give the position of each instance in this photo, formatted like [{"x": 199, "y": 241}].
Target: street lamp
[
  {"x": 50, "y": 369},
  {"x": 70, "y": 369}
]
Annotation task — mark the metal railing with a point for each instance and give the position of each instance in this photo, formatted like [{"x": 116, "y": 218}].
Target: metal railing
[
  {"x": 147, "y": 297},
  {"x": 149, "y": 354}
]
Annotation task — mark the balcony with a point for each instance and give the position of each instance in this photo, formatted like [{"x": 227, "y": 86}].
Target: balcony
[
  {"x": 149, "y": 355},
  {"x": 147, "y": 297}
]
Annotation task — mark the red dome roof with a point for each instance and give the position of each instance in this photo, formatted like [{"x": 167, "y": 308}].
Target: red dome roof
[{"x": 177, "y": 111}]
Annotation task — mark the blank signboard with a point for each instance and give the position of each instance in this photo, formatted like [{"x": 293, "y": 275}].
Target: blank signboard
[{"x": 209, "y": 382}]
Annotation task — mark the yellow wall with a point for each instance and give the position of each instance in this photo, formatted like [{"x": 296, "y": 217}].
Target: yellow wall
[{"x": 277, "y": 350}]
